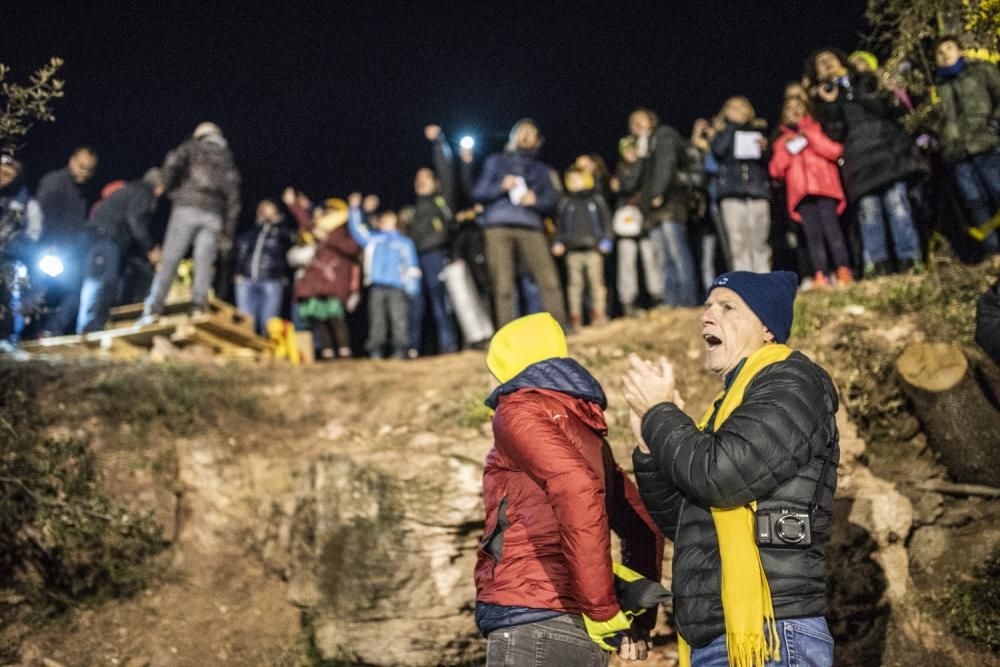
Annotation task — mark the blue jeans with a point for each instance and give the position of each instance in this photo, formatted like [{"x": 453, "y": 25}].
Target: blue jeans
[
  {"x": 556, "y": 642},
  {"x": 873, "y": 209},
  {"x": 260, "y": 299},
  {"x": 680, "y": 286},
  {"x": 805, "y": 642},
  {"x": 978, "y": 181},
  {"x": 432, "y": 288},
  {"x": 102, "y": 273}
]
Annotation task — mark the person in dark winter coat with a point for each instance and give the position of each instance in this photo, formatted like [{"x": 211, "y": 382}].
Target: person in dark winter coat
[
  {"x": 432, "y": 228},
  {"x": 204, "y": 185},
  {"x": 551, "y": 491},
  {"x": 330, "y": 286},
  {"x": 739, "y": 146},
  {"x": 968, "y": 132},
  {"x": 120, "y": 224},
  {"x": 262, "y": 265},
  {"x": 63, "y": 199},
  {"x": 517, "y": 190},
  {"x": 746, "y": 493},
  {"x": 583, "y": 235},
  {"x": 988, "y": 322},
  {"x": 662, "y": 152},
  {"x": 879, "y": 159},
  {"x": 20, "y": 229}
]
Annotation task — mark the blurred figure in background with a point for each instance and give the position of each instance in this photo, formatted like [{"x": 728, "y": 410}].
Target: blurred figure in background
[
  {"x": 806, "y": 160},
  {"x": 583, "y": 236},
  {"x": 121, "y": 223},
  {"x": 739, "y": 146},
  {"x": 517, "y": 190},
  {"x": 663, "y": 156},
  {"x": 879, "y": 157},
  {"x": 63, "y": 199},
  {"x": 633, "y": 233},
  {"x": 204, "y": 185},
  {"x": 262, "y": 265},
  {"x": 968, "y": 123}
]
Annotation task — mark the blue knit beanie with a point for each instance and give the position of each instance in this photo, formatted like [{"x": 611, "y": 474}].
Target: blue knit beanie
[{"x": 771, "y": 297}]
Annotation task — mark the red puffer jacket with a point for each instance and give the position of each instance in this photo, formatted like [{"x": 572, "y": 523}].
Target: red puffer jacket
[
  {"x": 813, "y": 171},
  {"x": 552, "y": 490}
]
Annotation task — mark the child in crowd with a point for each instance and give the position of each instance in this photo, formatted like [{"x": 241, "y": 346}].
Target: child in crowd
[
  {"x": 330, "y": 286},
  {"x": 744, "y": 189},
  {"x": 806, "y": 159},
  {"x": 583, "y": 234},
  {"x": 392, "y": 275}
]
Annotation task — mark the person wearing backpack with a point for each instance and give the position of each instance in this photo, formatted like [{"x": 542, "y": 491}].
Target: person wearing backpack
[{"x": 583, "y": 235}]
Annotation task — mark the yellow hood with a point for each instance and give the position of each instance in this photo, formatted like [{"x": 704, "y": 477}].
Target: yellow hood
[{"x": 523, "y": 342}]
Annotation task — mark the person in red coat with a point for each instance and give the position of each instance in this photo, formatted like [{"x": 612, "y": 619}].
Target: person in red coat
[
  {"x": 552, "y": 491},
  {"x": 330, "y": 287},
  {"x": 806, "y": 159}
]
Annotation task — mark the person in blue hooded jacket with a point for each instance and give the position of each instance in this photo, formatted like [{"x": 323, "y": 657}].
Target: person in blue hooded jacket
[
  {"x": 392, "y": 275},
  {"x": 517, "y": 191}
]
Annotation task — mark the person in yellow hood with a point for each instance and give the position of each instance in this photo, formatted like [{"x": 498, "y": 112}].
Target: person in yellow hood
[{"x": 552, "y": 493}]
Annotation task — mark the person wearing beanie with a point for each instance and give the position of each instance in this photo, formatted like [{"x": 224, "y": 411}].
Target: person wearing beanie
[
  {"x": 545, "y": 581},
  {"x": 119, "y": 224},
  {"x": 863, "y": 61},
  {"x": 746, "y": 492},
  {"x": 204, "y": 186}
]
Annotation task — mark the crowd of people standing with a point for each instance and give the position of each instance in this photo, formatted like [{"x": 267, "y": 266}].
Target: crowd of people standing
[{"x": 837, "y": 191}]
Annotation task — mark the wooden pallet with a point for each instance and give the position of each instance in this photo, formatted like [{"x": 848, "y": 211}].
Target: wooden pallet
[
  {"x": 124, "y": 316},
  {"x": 222, "y": 328}
]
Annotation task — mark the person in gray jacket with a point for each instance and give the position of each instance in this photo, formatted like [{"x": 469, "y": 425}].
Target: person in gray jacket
[{"x": 204, "y": 185}]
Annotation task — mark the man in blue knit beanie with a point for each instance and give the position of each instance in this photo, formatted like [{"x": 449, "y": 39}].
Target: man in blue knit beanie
[{"x": 746, "y": 492}]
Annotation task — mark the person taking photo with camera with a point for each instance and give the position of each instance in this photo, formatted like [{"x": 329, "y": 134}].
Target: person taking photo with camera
[
  {"x": 746, "y": 493},
  {"x": 879, "y": 159}
]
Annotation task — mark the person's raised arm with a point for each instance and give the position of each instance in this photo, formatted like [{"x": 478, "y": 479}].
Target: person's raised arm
[
  {"x": 444, "y": 168},
  {"x": 355, "y": 221}
]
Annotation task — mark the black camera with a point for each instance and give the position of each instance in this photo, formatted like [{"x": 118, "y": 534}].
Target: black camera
[{"x": 784, "y": 527}]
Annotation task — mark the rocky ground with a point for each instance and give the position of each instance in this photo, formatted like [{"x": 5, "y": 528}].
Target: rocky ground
[{"x": 332, "y": 517}]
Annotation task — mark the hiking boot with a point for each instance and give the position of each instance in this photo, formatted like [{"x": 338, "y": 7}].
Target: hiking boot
[
  {"x": 820, "y": 280},
  {"x": 844, "y": 276}
]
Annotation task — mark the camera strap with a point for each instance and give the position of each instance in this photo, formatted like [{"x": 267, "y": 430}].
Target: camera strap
[{"x": 814, "y": 503}]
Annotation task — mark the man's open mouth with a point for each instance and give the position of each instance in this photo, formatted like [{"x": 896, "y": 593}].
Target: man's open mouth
[{"x": 711, "y": 341}]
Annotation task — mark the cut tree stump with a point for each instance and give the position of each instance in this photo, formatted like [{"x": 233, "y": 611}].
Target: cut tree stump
[{"x": 961, "y": 424}]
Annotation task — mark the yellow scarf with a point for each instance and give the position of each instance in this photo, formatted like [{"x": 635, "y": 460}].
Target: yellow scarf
[{"x": 746, "y": 597}]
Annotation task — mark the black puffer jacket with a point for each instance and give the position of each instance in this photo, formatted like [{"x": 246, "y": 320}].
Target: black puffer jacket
[
  {"x": 877, "y": 152},
  {"x": 988, "y": 322},
  {"x": 770, "y": 449},
  {"x": 125, "y": 216},
  {"x": 200, "y": 173},
  {"x": 261, "y": 252}
]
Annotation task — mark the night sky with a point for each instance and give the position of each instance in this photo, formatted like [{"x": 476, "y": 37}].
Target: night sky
[{"x": 332, "y": 98}]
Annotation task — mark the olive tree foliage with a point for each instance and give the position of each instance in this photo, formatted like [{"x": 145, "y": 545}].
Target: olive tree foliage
[
  {"x": 22, "y": 105},
  {"x": 904, "y": 32}
]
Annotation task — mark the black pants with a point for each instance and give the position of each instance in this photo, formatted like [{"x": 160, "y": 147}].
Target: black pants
[
  {"x": 331, "y": 334},
  {"x": 387, "y": 307},
  {"x": 822, "y": 227}
]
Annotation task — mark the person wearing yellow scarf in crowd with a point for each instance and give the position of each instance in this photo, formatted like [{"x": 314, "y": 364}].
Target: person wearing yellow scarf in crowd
[{"x": 746, "y": 493}]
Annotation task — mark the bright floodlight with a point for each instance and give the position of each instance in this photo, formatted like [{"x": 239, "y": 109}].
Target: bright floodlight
[
  {"x": 50, "y": 265},
  {"x": 467, "y": 142}
]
